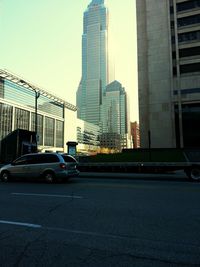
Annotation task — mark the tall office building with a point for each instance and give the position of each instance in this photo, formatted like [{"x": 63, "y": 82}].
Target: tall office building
[
  {"x": 169, "y": 72},
  {"x": 115, "y": 126},
  {"x": 95, "y": 69},
  {"x": 115, "y": 109}
]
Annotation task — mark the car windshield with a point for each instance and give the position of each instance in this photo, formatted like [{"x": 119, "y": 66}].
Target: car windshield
[{"x": 68, "y": 158}]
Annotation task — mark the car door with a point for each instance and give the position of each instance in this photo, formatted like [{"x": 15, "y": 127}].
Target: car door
[
  {"x": 29, "y": 170},
  {"x": 17, "y": 169},
  {"x": 35, "y": 165}
]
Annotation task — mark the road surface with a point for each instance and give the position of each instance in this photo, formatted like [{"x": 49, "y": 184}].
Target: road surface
[{"x": 150, "y": 220}]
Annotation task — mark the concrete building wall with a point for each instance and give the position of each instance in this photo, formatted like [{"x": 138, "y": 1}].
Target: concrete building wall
[
  {"x": 166, "y": 79},
  {"x": 154, "y": 73},
  {"x": 70, "y": 127}
]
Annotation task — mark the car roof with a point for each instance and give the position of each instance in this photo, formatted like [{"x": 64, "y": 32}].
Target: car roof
[{"x": 48, "y": 153}]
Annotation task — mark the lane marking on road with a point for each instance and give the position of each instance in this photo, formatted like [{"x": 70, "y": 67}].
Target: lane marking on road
[
  {"x": 78, "y": 232},
  {"x": 47, "y": 195},
  {"x": 55, "y": 229},
  {"x": 21, "y": 224}
]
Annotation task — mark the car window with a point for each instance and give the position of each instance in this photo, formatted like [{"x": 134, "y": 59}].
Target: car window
[
  {"x": 68, "y": 158},
  {"x": 47, "y": 158},
  {"x": 21, "y": 161},
  {"x": 33, "y": 159},
  {"x": 44, "y": 158}
]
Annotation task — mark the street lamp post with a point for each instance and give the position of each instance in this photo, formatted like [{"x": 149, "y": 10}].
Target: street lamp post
[{"x": 37, "y": 95}]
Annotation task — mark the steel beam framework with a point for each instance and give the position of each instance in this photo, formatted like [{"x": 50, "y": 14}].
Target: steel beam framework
[{"x": 4, "y": 74}]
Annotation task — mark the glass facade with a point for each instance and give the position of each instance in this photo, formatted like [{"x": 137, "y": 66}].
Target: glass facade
[
  {"x": 6, "y": 112},
  {"x": 26, "y": 97},
  {"x": 115, "y": 116},
  {"x": 1, "y": 88},
  {"x": 20, "y": 113},
  {"x": 22, "y": 119},
  {"x": 95, "y": 69},
  {"x": 88, "y": 133},
  {"x": 16, "y": 93},
  {"x": 49, "y": 132},
  {"x": 40, "y": 126},
  {"x": 115, "y": 109},
  {"x": 47, "y": 105},
  {"x": 59, "y": 133}
]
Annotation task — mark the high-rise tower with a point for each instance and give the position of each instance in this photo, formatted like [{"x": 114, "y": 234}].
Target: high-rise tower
[
  {"x": 169, "y": 72},
  {"x": 95, "y": 69},
  {"x": 115, "y": 128}
]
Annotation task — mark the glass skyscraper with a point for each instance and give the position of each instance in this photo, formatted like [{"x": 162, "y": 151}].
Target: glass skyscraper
[
  {"x": 115, "y": 119},
  {"x": 95, "y": 69}
]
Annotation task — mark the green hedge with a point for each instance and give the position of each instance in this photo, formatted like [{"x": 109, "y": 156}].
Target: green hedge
[{"x": 137, "y": 155}]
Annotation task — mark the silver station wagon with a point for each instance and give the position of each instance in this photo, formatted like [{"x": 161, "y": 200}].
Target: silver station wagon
[{"x": 51, "y": 167}]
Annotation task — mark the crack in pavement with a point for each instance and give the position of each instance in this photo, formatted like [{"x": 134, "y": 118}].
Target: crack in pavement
[{"x": 25, "y": 249}]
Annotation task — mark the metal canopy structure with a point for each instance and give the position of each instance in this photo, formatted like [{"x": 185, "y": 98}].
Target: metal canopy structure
[{"x": 4, "y": 74}]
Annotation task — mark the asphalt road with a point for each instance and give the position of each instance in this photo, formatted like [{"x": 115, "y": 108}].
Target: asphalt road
[{"x": 141, "y": 222}]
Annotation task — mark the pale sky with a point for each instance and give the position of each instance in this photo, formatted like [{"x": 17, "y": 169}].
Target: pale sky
[{"x": 41, "y": 42}]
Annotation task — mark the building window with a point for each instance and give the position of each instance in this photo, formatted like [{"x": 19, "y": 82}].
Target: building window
[
  {"x": 188, "y": 20},
  {"x": 22, "y": 118},
  {"x": 1, "y": 88},
  {"x": 19, "y": 94},
  {"x": 189, "y": 36},
  {"x": 188, "y": 52},
  {"x": 49, "y": 132},
  {"x": 187, "y": 68},
  {"x": 188, "y": 5},
  {"x": 39, "y": 127},
  {"x": 26, "y": 97},
  {"x": 5, "y": 120},
  {"x": 59, "y": 134},
  {"x": 49, "y": 106},
  {"x": 191, "y": 124}
]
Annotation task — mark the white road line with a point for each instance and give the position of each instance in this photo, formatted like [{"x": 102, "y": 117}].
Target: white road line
[
  {"x": 21, "y": 224},
  {"x": 46, "y": 195},
  {"x": 77, "y": 232}
]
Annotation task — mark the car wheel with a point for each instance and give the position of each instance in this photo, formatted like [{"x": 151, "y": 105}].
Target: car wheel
[
  {"x": 194, "y": 173},
  {"x": 5, "y": 176},
  {"x": 49, "y": 177}
]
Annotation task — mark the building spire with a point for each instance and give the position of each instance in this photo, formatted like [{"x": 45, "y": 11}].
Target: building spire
[{"x": 96, "y": 2}]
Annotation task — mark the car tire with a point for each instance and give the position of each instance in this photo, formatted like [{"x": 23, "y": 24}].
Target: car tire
[
  {"x": 5, "y": 176},
  {"x": 194, "y": 173},
  {"x": 49, "y": 177}
]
